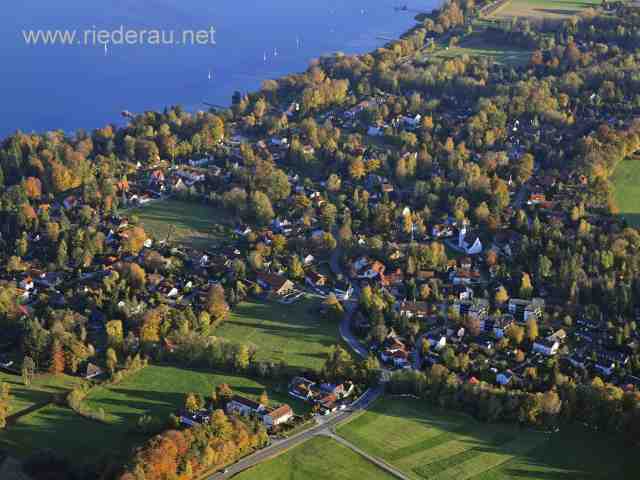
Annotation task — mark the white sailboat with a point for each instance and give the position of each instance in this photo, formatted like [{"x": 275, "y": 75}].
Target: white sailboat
[
  {"x": 106, "y": 49},
  {"x": 210, "y": 75},
  {"x": 275, "y": 52},
  {"x": 265, "y": 56}
]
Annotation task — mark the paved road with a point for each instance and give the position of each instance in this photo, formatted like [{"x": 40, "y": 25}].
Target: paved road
[
  {"x": 383, "y": 465},
  {"x": 279, "y": 446}
]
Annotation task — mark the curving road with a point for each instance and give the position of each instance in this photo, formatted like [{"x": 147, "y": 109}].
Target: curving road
[{"x": 323, "y": 427}]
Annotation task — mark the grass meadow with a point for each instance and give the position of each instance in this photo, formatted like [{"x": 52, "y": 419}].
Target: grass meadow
[
  {"x": 626, "y": 182},
  {"x": 320, "y": 458},
  {"x": 194, "y": 224},
  {"x": 295, "y": 334},
  {"x": 426, "y": 443},
  {"x": 156, "y": 391},
  {"x": 542, "y": 9}
]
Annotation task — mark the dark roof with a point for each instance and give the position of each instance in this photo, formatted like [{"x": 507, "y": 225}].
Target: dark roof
[
  {"x": 246, "y": 402},
  {"x": 276, "y": 282}
]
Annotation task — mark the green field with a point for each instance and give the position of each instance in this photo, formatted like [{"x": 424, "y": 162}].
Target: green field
[
  {"x": 477, "y": 46},
  {"x": 39, "y": 392},
  {"x": 156, "y": 391},
  {"x": 626, "y": 181},
  {"x": 193, "y": 224},
  {"x": 426, "y": 443},
  {"x": 543, "y": 9},
  {"x": 320, "y": 458},
  {"x": 295, "y": 333}
]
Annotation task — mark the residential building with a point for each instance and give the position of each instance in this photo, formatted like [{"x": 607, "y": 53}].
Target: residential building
[
  {"x": 276, "y": 284},
  {"x": 277, "y": 416}
]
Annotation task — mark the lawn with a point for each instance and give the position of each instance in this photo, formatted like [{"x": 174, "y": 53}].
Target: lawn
[
  {"x": 295, "y": 334},
  {"x": 426, "y": 443},
  {"x": 39, "y": 392},
  {"x": 543, "y": 9},
  {"x": 193, "y": 224},
  {"x": 477, "y": 45},
  {"x": 156, "y": 391},
  {"x": 626, "y": 181},
  {"x": 320, "y": 458}
]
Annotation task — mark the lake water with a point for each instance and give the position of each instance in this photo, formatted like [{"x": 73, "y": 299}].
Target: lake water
[{"x": 46, "y": 87}]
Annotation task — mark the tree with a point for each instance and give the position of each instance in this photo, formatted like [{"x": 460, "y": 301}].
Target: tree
[
  {"x": 296, "y": 270},
  {"x": 193, "y": 402},
  {"x": 501, "y": 295},
  {"x": 115, "y": 333},
  {"x": 221, "y": 425},
  {"x": 241, "y": 358},
  {"x": 261, "y": 208},
  {"x": 112, "y": 361},
  {"x": 5, "y": 398},
  {"x": 334, "y": 308},
  {"x": 532, "y": 329},
  {"x": 28, "y": 370},
  {"x": 264, "y": 398},
  {"x": 56, "y": 365},
  {"x": 516, "y": 334},
  {"x": 137, "y": 276},
  {"x": 62, "y": 256},
  {"x": 217, "y": 305},
  {"x": 134, "y": 239},
  {"x": 526, "y": 289},
  {"x": 224, "y": 392}
]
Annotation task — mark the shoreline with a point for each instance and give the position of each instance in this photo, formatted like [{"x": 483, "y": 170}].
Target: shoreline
[{"x": 118, "y": 122}]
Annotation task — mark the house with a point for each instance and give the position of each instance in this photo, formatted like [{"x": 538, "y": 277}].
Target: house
[
  {"x": 332, "y": 389},
  {"x": 191, "y": 419},
  {"x": 276, "y": 284},
  {"x": 412, "y": 122},
  {"x": 375, "y": 270},
  {"x": 437, "y": 342},
  {"x": 156, "y": 177},
  {"x": 523, "y": 310},
  {"x": 499, "y": 325},
  {"x": 278, "y": 416},
  {"x": 243, "y": 230},
  {"x": 375, "y": 131},
  {"x": 302, "y": 388},
  {"x": 328, "y": 404},
  {"x": 546, "y": 346},
  {"x": 315, "y": 279},
  {"x": 243, "y": 406},
  {"x": 504, "y": 378},
  {"x": 393, "y": 279},
  {"x": 413, "y": 309},
  {"x": 92, "y": 371},
  {"x": 394, "y": 351},
  {"x": 26, "y": 283},
  {"x": 536, "y": 198},
  {"x": 470, "y": 244},
  {"x": 342, "y": 289},
  {"x": 70, "y": 202}
]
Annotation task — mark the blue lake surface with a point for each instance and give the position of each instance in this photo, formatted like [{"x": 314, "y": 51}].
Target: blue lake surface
[{"x": 44, "y": 87}]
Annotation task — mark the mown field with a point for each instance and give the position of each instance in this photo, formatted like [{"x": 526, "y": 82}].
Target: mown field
[
  {"x": 431, "y": 444},
  {"x": 626, "y": 182},
  {"x": 190, "y": 223},
  {"x": 320, "y": 458},
  {"x": 41, "y": 390},
  {"x": 477, "y": 45},
  {"x": 295, "y": 334},
  {"x": 157, "y": 391},
  {"x": 543, "y": 9}
]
